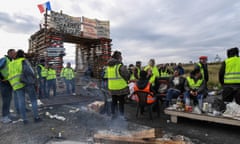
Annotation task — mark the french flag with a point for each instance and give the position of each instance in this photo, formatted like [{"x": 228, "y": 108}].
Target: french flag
[{"x": 44, "y": 6}]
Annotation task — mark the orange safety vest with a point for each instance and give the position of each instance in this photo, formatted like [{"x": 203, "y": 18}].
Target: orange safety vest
[{"x": 150, "y": 98}]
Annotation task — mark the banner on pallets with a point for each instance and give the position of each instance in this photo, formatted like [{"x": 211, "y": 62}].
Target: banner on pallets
[
  {"x": 77, "y": 26},
  {"x": 89, "y": 27},
  {"x": 103, "y": 29},
  {"x": 65, "y": 24}
]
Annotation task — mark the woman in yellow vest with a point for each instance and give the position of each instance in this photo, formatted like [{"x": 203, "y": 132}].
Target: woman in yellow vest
[
  {"x": 51, "y": 80},
  {"x": 194, "y": 88},
  {"x": 118, "y": 77}
]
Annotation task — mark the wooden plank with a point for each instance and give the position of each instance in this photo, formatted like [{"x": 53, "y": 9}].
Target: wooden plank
[
  {"x": 102, "y": 138},
  {"x": 217, "y": 119}
]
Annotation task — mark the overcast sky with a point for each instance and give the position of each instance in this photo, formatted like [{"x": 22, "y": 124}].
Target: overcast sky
[{"x": 166, "y": 30}]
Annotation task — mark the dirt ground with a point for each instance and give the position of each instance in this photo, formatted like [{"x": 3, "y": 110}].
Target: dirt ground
[{"x": 81, "y": 124}]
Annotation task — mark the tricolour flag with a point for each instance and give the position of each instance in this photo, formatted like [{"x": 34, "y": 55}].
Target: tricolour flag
[{"x": 44, "y": 6}]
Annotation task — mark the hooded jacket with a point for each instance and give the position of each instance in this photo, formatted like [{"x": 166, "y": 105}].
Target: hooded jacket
[{"x": 125, "y": 75}]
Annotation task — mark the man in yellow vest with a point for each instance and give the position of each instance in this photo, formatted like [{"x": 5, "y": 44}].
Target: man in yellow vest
[
  {"x": 42, "y": 74},
  {"x": 118, "y": 77},
  {"x": 68, "y": 75},
  {"x": 194, "y": 88},
  {"x": 6, "y": 89},
  {"x": 22, "y": 79},
  {"x": 229, "y": 76},
  {"x": 51, "y": 80}
]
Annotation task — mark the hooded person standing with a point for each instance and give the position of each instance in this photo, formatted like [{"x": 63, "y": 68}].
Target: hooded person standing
[
  {"x": 118, "y": 77},
  {"x": 229, "y": 76}
]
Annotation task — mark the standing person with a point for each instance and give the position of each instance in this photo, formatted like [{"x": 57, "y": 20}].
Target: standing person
[
  {"x": 138, "y": 68},
  {"x": 180, "y": 69},
  {"x": 203, "y": 67},
  {"x": 42, "y": 74},
  {"x": 118, "y": 77},
  {"x": 68, "y": 75},
  {"x": 176, "y": 87},
  {"x": 6, "y": 89},
  {"x": 194, "y": 88},
  {"x": 229, "y": 74},
  {"x": 51, "y": 80},
  {"x": 22, "y": 78}
]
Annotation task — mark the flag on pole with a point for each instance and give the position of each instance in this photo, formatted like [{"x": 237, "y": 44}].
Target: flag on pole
[{"x": 44, "y": 6}]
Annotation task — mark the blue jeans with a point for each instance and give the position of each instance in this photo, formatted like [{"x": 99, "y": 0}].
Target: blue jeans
[
  {"x": 20, "y": 93},
  {"x": 51, "y": 84},
  {"x": 31, "y": 91},
  {"x": 6, "y": 92},
  {"x": 197, "y": 100},
  {"x": 70, "y": 84},
  {"x": 42, "y": 87},
  {"x": 171, "y": 93}
]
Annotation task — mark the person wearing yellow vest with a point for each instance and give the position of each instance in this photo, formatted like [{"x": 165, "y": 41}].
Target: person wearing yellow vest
[
  {"x": 6, "y": 89},
  {"x": 203, "y": 67},
  {"x": 153, "y": 68},
  {"x": 229, "y": 76},
  {"x": 42, "y": 74},
  {"x": 194, "y": 88},
  {"x": 68, "y": 75},
  {"x": 118, "y": 77},
  {"x": 144, "y": 85},
  {"x": 51, "y": 80},
  {"x": 22, "y": 79}
]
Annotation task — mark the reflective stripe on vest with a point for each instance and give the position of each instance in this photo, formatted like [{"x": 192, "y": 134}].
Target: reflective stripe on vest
[
  {"x": 150, "y": 98},
  {"x": 232, "y": 70},
  {"x": 115, "y": 80},
  {"x": 192, "y": 83},
  {"x": 51, "y": 74},
  {"x": 4, "y": 71},
  {"x": 15, "y": 71}
]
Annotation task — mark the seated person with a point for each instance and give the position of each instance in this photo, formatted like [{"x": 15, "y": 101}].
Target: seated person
[
  {"x": 143, "y": 84},
  {"x": 194, "y": 89},
  {"x": 176, "y": 87}
]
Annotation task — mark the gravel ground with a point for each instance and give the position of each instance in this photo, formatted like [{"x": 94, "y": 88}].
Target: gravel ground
[{"x": 81, "y": 124}]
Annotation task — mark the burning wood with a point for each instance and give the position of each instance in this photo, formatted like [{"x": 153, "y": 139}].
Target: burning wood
[{"x": 148, "y": 136}]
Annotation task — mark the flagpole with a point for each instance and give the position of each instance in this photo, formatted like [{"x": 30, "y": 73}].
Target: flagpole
[{"x": 45, "y": 35}]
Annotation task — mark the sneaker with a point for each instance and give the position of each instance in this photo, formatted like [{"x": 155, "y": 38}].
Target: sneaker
[
  {"x": 6, "y": 120},
  {"x": 123, "y": 118},
  {"x": 14, "y": 116},
  {"x": 25, "y": 122},
  {"x": 38, "y": 119},
  {"x": 74, "y": 94}
]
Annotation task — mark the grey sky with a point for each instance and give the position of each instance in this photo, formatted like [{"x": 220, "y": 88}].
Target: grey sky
[{"x": 166, "y": 30}]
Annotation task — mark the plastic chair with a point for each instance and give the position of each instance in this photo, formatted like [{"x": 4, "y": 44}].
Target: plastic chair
[{"x": 142, "y": 103}]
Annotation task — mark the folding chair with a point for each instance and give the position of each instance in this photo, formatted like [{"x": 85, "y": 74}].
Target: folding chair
[{"x": 142, "y": 102}]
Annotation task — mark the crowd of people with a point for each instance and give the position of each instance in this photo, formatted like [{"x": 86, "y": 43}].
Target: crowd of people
[
  {"x": 192, "y": 88},
  {"x": 19, "y": 78}
]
